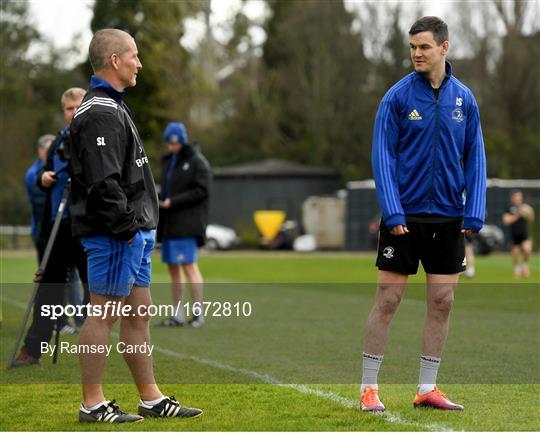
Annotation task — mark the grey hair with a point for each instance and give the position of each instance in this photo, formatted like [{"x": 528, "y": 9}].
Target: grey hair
[
  {"x": 105, "y": 43},
  {"x": 44, "y": 141}
]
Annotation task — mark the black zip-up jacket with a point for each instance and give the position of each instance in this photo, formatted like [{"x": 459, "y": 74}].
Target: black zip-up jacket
[
  {"x": 189, "y": 194},
  {"x": 112, "y": 188}
]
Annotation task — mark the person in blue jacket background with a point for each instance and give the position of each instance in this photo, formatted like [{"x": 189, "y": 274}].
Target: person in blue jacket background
[
  {"x": 427, "y": 151},
  {"x": 36, "y": 196},
  {"x": 67, "y": 255}
]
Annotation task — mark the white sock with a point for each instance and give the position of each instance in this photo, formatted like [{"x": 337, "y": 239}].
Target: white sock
[
  {"x": 179, "y": 313},
  {"x": 429, "y": 367},
  {"x": 96, "y": 405},
  {"x": 153, "y": 402},
  {"x": 470, "y": 271},
  {"x": 370, "y": 370}
]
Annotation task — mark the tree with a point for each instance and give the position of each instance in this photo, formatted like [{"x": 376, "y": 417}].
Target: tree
[
  {"x": 503, "y": 71},
  {"x": 30, "y": 90},
  {"x": 317, "y": 75},
  {"x": 164, "y": 87}
]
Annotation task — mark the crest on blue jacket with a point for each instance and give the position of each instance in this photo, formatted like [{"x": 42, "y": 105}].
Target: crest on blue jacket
[{"x": 457, "y": 115}]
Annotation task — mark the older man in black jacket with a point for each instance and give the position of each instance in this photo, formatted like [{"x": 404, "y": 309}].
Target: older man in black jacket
[
  {"x": 114, "y": 213},
  {"x": 185, "y": 190}
]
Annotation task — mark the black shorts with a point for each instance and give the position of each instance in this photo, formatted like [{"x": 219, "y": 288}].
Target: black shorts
[
  {"x": 440, "y": 246},
  {"x": 519, "y": 238}
]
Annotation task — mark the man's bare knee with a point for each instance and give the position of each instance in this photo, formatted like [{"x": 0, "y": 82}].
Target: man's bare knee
[
  {"x": 138, "y": 318},
  {"x": 190, "y": 268},
  {"x": 442, "y": 303},
  {"x": 107, "y": 321},
  {"x": 388, "y": 301}
]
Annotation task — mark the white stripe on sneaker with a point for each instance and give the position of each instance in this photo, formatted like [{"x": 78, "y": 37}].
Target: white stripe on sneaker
[{"x": 171, "y": 410}]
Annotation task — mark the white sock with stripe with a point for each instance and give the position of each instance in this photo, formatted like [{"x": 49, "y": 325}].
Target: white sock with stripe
[
  {"x": 153, "y": 402},
  {"x": 429, "y": 367},
  {"x": 94, "y": 407},
  {"x": 370, "y": 370}
]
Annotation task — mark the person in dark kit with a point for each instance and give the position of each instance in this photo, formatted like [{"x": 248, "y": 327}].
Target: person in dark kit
[
  {"x": 185, "y": 191},
  {"x": 469, "y": 255},
  {"x": 67, "y": 252},
  {"x": 518, "y": 216},
  {"x": 36, "y": 196}
]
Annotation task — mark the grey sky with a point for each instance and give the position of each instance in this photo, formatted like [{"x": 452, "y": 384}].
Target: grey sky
[{"x": 67, "y": 22}]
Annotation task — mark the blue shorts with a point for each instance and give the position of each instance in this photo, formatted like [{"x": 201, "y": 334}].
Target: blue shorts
[
  {"x": 179, "y": 251},
  {"x": 114, "y": 266}
]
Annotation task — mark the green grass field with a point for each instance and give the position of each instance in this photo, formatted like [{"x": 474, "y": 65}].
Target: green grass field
[{"x": 295, "y": 363}]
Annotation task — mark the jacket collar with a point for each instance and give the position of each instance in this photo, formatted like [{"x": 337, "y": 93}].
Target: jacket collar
[
  {"x": 448, "y": 70},
  {"x": 187, "y": 151},
  {"x": 99, "y": 83}
]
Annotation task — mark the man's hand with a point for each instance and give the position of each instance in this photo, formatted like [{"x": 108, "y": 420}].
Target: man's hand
[
  {"x": 38, "y": 275},
  {"x": 468, "y": 232},
  {"x": 165, "y": 204},
  {"x": 525, "y": 211},
  {"x": 48, "y": 179},
  {"x": 399, "y": 230}
]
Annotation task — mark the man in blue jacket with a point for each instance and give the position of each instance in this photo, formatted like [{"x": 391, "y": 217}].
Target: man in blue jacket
[
  {"x": 427, "y": 151},
  {"x": 36, "y": 196}
]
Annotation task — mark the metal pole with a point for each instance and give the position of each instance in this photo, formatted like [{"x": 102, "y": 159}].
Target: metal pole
[{"x": 41, "y": 269}]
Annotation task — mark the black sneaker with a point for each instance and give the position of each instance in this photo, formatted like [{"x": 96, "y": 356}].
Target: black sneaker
[
  {"x": 196, "y": 322},
  {"x": 108, "y": 412},
  {"x": 171, "y": 322},
  {"x": 168, "y": 407}
]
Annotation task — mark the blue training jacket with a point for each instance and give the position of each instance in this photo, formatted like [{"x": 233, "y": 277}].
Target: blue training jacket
[
  {"x": 36, "y": 197},
  {"x": 427, "y": 152}
]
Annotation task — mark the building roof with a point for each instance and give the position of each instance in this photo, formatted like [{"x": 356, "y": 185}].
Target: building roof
[{"x": 273, "y": 168}]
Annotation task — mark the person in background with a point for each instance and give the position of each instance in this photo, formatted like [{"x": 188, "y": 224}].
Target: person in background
[
  {"x": 469, "y": 255},
  {"x": 36, "y": 196},
  {"x": 184, "y": 198},
  {"x": 518, "y": 216},
  {"x": 66, "y": 253}
]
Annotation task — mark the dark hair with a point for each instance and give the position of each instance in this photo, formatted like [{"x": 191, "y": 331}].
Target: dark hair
[{"x": 431, "y": 24}]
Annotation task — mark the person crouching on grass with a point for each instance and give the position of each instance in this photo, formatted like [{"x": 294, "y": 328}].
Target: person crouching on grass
[
  {"x": 185, "y": 190},
  {"x": 114, "y": 212}
]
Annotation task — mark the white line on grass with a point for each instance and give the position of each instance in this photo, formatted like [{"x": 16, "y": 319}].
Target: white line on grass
[{"x": 388, "y": 416}]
